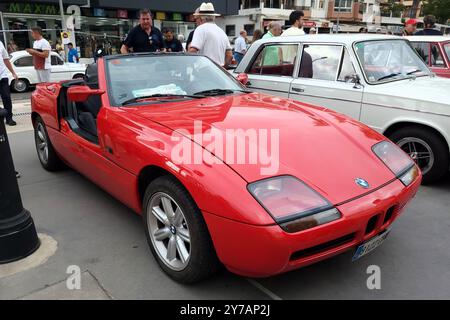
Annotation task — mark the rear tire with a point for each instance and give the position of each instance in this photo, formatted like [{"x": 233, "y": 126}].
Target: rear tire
[
  {"x": 20, "y": 85},
  {"x": 44, "y": 148},
  {"x": 194, "y": 260},
  {"x": 418, "y": 142},
  {"x": 78, "y": 76}
]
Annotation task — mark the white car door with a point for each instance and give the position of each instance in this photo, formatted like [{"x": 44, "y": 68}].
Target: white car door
[
  {"x": 60, "y": 71},
  {"x": 325, "y": 78},
  {"x": 24, "y": 68},
  {"x": 273, "y": 68}
]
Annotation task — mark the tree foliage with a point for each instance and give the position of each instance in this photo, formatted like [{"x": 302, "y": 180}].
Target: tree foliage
[{"x": 439, "y": 8}]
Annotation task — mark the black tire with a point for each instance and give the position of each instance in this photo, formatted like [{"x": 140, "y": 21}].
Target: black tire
[
  {"x": 203, "y": 261},
  {"x": 52, "y": 163},
  {"x": 20, "y": 85},
  {"x": 78, "y": 76},
  {"x": 437, "y": 145}
]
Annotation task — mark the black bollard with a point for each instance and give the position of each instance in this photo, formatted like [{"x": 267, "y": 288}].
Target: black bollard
[{"x": 18, "y": 237}]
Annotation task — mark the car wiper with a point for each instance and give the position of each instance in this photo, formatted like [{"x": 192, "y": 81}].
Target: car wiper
[
  {"x": 414, "y": 71},
  {"x": 389, "y": 76},
  {"x": 160, "y": 95},
  {"x": 218, "y": 92}
]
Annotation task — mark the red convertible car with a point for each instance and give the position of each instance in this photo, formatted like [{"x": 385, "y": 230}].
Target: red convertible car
[{"x": 129, "y": 126}]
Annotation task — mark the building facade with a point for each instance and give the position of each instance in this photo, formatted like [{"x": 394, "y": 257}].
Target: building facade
[
  {"x": 326, "y": 16},
  {"x": 95, "y": 22}
]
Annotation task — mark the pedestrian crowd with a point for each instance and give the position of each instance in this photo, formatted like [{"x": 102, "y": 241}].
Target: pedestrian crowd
[{"x": 207, "y": 39}]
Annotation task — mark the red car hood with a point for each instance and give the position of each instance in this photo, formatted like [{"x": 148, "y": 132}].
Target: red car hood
[{"x": 325, "y": 149}]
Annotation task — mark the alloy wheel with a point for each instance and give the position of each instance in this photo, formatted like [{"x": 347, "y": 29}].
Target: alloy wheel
[
  {"x": 169, "y": 231},
  {"x": 42, "y": 143}
]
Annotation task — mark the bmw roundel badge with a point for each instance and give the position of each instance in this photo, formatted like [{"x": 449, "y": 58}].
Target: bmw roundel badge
[{"x": 362, "y": 183}]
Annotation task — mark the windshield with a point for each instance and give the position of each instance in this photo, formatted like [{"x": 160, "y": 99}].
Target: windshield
[
  {"x": 133, "y": 77},
  {"x": 447, "y": 50},
  {"x": 389, "y": 60}
]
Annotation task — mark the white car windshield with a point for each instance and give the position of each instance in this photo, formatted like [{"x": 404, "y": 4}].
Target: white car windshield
[
  {"x": 132, "y": 79},
  {"x": 389, "y": 60}
]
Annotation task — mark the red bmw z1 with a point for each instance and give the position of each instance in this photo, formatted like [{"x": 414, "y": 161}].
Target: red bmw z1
[{"x": 221, "y": 175}]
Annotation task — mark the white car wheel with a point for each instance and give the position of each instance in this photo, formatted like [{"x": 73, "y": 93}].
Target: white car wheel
[{"x": 20, "y": 85}]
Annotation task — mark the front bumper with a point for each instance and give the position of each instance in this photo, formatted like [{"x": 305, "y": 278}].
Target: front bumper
[{"x": 261, "y": 251}]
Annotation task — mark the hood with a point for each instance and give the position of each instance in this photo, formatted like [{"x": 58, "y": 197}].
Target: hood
[
  {"x": 76, "y": 66},
  {"x": 429, "y": 94},
  {"x": 325, "y": 149}
]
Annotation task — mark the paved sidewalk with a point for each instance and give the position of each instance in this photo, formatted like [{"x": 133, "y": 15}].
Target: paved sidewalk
[{"x": 22, "y": 115}]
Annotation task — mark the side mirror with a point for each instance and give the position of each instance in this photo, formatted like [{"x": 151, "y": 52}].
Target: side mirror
[
  {"x": 242, "y": 78},
  {"x": 354, "y": 78},
  {"x": 82, "y": 93}
]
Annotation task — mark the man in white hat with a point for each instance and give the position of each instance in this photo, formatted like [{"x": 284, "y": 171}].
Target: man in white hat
[{"x": 209, "y": 39}]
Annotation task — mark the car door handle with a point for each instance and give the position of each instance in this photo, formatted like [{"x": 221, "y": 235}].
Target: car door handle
[
  {"x": 298, "y": 89},
  {"x": 109, "y": 150}
]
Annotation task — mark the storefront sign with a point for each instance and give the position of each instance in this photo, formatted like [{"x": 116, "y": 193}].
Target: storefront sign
[
  {"x": 309, "y": 24},
  {"x": 122, "y": 14},
  {"x": 177, "y": 17},
  {"x": 160, "y": 16},
  {"x": 99, "y": 12},
  {"x": 32, "y": 8}
]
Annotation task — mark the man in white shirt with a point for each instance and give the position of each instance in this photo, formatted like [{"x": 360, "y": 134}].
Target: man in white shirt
[
  {"x": 296, "y": 21},
  {"x": 41, "y": 55},
  {"x": 209, "y": 39},
  {"x": 5, "y": 65},
  {"x": 240, "y": 46}
]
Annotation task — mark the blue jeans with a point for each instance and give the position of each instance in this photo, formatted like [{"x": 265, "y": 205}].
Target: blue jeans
[
  {"x": 238, "y": 57},
  {"x": 6, "y": 98}
]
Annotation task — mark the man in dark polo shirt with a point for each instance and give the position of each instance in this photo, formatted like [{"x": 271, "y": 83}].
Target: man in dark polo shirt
[
  {"x": 144, "y": 37},
  {"x": 171, "y": 43}
]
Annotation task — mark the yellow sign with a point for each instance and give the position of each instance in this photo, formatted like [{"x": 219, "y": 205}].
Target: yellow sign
[
  {"x": 65, "y": 37},
  {"x": 160, "y": 16}
]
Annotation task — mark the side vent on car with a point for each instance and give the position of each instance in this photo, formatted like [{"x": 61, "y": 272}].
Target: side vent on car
[
  {"x": 389, "y": 214},
  {"x": 371, "y": 225}
]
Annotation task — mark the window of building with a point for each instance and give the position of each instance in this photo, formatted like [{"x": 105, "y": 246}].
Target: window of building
[
  {"x": 346, "y": 5},
  {"x": 275, "y": 60},
  {"x": 272, "y": 4},
  {"x": 230, "y": 30},
  {"x": 249, "y": 28},
  {"x": 24, "y": 62},
  {"x": 436, "y": 57},
  {"x": 248, "y": 4},
  {"x": 320, "y": 62}
]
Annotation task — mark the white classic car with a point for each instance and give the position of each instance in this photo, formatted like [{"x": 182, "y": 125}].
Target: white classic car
[
  {"x": 376, "y": 79},
  {"x": 23, "y": 65}
]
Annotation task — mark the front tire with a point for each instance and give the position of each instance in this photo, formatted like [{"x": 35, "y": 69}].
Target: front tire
[
  {"x": 427, "y": 149},
  {"x": 44, "y": 148},
  {"x": 176, "y": 232},
  {"x": 20, "y": 85}
]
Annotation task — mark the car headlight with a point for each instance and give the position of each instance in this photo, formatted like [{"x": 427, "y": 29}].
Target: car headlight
[
  {"x": 292, "y": 204},
  {"x": 397, "y": 161}
]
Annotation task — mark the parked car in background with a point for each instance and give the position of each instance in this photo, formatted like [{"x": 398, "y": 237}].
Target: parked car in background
[
  {"x": 23, "y": 65},
  {"x": 435, "y": 51},
  {"x": 376, "y": 79}
]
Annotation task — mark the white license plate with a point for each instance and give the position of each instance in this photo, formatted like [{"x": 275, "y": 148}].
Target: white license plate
[{"x": 370, "y": 245}]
